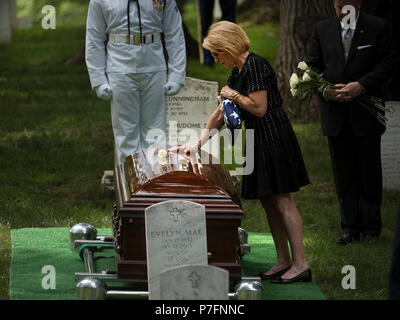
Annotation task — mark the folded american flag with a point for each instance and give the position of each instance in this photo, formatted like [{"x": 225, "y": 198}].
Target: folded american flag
[{"x": 232, "y": 118}]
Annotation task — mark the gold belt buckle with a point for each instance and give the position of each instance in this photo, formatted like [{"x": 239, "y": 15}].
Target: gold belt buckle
[{"x": 139, "y": 40}]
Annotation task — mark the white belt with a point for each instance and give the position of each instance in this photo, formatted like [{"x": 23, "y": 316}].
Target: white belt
[{"x": 135, "y": 39}]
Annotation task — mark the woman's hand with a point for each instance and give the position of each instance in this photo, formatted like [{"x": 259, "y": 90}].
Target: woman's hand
[
  {"x": 226, "y": 92},
  {"x": 184, "y": 150}
]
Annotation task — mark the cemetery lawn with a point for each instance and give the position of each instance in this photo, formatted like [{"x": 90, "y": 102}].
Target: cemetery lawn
[{"x": 56, "y": 141}]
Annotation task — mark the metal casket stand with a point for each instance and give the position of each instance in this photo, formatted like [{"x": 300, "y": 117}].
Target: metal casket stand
[{"x": 96, "y": 286}]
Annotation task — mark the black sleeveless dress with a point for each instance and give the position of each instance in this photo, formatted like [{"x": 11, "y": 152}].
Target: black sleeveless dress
[{"x": 278, "y": 162}]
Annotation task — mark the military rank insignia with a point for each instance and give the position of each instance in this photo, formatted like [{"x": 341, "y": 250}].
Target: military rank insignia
[{"x": 158, "y": 4}]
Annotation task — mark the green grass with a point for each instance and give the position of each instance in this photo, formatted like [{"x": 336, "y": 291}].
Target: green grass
[
  {"x": 55, "y": 138},
  {"x": 56, "y": 141}
]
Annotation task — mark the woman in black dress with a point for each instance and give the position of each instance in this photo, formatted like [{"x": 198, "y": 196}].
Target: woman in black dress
[{"x": 278, "y": 163}]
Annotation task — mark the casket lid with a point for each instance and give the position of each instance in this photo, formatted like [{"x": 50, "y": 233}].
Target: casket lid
[{"x": 156, "y": 172}]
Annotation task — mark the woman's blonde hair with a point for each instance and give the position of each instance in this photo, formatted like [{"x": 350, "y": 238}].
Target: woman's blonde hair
[{"x": 225, "y": 36}]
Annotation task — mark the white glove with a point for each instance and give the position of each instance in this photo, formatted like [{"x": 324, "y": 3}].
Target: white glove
[
  {"x": 104, "y": 91},
  {"x": 172, "y": 88}
]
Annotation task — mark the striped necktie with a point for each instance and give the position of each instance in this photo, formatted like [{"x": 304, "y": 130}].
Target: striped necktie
[{"x": 347, "y": 42}]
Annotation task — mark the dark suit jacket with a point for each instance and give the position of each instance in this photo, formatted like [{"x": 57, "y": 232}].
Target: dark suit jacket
[{"x": 371, "y": 61}]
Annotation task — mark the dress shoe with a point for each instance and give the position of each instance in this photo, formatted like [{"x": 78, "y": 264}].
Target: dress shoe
[
  {"x": 370, "y": 239},
  {"x": 305, "y": 276},
  {"x": 271, "y": 276},
  {"x": 347, "y": 238}
]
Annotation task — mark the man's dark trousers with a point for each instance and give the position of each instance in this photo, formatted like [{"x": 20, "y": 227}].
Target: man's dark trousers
[
  {"x": 228, "y": 8},
  {"x": 356, "y": 164}
]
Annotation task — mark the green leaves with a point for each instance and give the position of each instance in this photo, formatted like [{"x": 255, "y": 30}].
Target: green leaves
[
  {"x": 321, "y": 88},
  {"x": 309, "y": 82}
]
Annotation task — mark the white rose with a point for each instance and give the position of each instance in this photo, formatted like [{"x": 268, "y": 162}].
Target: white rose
[
  {"x": 294, "y": 92},
  {"x": 163, "y": 157},
  {"x": 162, "y": 153},
  {"x": 163, "y": 161},
  {"x": 294, "y": 80},
  {"x": 306, "y": 77},
  {"x": 302, "y": 66}
]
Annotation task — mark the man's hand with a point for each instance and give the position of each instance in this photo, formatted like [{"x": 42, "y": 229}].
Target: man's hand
[
  {"x": 332, "y": 92},
  {"x": 104, "y": 91},
  {"x": 172, "y": 88},
  {"x": 351, "y": 91}
]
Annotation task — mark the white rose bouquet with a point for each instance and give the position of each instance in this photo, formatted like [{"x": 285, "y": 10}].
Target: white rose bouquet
[{"x": 310, "y": 81}]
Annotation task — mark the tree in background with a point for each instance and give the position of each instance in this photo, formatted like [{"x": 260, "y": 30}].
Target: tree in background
[
  {"x": 258, "y": 11},
  {"x": 297, "y": 19}
]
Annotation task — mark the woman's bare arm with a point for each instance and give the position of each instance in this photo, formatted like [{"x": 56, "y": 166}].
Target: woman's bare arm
[
  {"x": 255, "y": 103},
  {"x": 216, "y": 121}
]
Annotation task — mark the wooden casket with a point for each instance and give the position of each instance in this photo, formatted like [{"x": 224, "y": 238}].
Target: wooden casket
[{"x": 152, "y": 176}]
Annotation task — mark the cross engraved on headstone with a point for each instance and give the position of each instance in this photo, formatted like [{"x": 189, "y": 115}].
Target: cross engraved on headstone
[
  {"x": 175, "y": 212},
  {"x": 194, "y": 278},
  {"x": 194, "y": 282}
]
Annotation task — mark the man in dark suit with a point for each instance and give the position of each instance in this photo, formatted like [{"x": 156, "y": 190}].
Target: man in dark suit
[{"x": 358, "y": 60}]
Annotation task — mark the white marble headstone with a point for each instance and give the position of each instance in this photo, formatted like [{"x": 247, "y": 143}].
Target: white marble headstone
[
  {"x": 189, "y": 111},
  {"x": 196, "y": 282},
  {"x": 176, "y": 235},
  {"x": 390, "y": 148}
]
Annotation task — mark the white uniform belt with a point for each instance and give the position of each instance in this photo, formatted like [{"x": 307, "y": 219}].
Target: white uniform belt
[{"x": 135, "y": 39}]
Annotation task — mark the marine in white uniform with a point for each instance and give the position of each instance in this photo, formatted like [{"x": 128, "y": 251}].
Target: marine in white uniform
[{"x": 125, "y": 61}]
